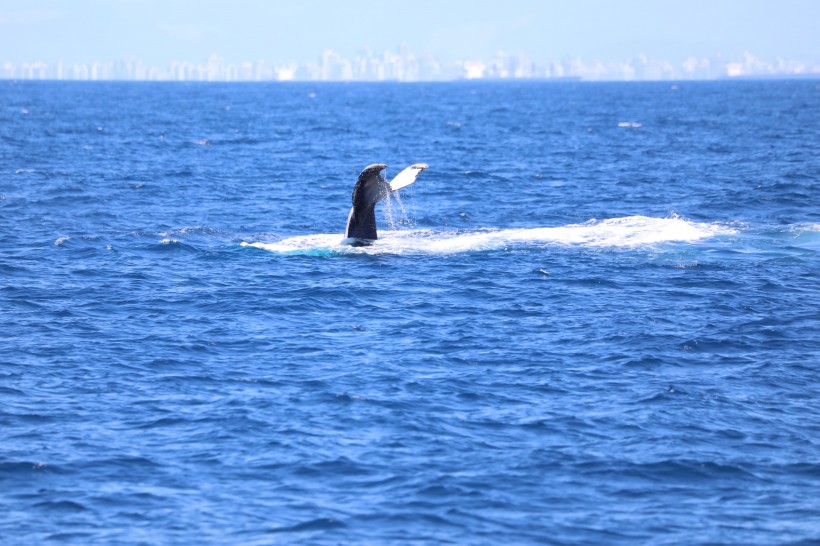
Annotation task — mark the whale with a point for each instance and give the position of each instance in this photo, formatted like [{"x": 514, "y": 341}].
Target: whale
[{"x": 371, "y": 187}]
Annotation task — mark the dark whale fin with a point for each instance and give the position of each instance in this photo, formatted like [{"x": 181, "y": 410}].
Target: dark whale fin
[
  {"x": 370, "y": 188},
  {"x": 361, "y": 224}
]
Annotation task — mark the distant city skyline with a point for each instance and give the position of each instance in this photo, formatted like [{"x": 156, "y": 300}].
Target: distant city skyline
[
  {"x": 404, "y": 66},
  {"x": 161, "y": 32}
]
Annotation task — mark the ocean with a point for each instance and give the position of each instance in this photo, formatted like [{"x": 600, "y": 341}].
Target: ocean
[{"x": 595, "y": 319}]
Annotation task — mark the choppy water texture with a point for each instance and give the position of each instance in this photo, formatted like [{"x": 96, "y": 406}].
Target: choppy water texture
[{"x": 594, "y": 319}]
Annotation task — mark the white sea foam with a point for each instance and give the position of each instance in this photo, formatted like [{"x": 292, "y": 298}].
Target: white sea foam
[
  {"x": 631, "y": 231},
  {"x": 805, "y": 236}
]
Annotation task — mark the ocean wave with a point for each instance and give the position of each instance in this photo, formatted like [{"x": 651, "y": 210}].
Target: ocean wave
[
  {"x": 806, "y": 236},
  {"x": 626, "y": 232},
  {"x": 171, "y": 244},
  {"x": 188, "y": 230}
]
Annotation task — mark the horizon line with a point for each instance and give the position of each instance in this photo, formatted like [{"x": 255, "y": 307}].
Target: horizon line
[{"x": 505, "y": 81}]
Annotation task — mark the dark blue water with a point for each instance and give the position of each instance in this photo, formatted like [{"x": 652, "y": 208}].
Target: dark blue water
[{"x": 594, "y": 319}]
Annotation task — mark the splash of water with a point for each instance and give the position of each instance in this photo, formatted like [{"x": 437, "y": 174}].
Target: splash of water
[
  {"x": 398, "y": 214},
  {"x": 626, "y": 232}
]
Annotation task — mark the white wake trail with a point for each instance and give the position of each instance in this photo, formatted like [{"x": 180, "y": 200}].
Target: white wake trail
[{"x": 630, "y": 231}]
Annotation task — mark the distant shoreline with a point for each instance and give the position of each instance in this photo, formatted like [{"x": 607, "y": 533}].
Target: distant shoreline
[{"x": 562, "y": 80}]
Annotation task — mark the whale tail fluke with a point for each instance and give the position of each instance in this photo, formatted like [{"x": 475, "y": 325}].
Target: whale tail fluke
[
  {"x": 407, "y": 176},
  {"x": 371, "y": 188}
]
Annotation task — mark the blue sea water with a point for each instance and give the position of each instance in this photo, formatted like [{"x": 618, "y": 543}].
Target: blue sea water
[{"x": 594, "y": 319}]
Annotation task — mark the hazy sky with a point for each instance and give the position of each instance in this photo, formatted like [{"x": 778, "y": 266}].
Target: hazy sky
[{"x": 158, "y": 31}]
